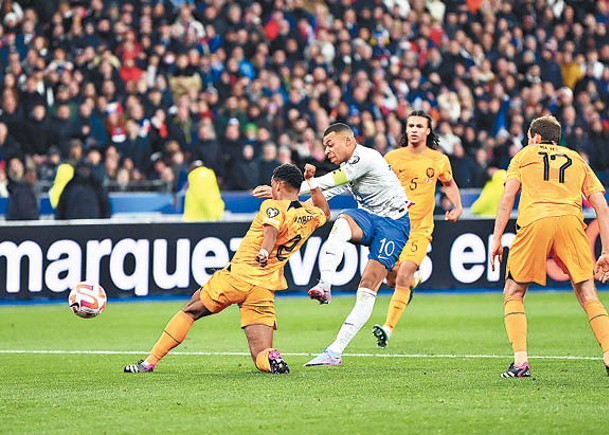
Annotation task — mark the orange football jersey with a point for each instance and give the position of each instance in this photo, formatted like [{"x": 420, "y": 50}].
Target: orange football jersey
[
  {"x": 552, "y": 180},
  {"x": 419, "y": 174},
  {"x": 295, "y": 222}
]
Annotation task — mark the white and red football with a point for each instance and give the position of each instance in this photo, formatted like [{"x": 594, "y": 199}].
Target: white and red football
[{"x": 87, "y": 300}]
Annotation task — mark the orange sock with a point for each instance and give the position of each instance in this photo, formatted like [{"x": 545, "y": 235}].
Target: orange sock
[
  {"x": 174, "y": 333},
  {"x": 515, "y": 321},
  {"x": 599, "y": 321},
  {"x": 262, "y": 360},
  {"x": 399, "y": 302}
]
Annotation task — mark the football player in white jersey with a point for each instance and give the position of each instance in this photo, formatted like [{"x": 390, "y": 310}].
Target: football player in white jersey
[{"x": 381, "y": 222}]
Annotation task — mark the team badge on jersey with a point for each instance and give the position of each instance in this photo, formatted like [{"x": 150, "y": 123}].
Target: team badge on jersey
[
  {"x": 271, "y": 212},
  {"x": 430, "y": 172}
]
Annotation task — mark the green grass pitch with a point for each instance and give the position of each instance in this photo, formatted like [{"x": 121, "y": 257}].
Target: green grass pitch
[{"x": 440, "y": 372}]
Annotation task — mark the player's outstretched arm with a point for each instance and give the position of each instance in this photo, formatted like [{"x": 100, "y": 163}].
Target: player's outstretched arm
[
  {"x": 511, "y": 189},
  {"x": 317, "y": 197},
  {"x": 598, "y": 201},
  {"x": 454, "y": 196},
  {"x": 324, "y": 182}
]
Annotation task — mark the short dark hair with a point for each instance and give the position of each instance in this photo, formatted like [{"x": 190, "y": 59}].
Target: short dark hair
[
  {"x": 433, "y": 141},
  {"x": 290, "y": 174},
  {"x": 339, "y": 127},
  {"x": 547, "y": 127}
]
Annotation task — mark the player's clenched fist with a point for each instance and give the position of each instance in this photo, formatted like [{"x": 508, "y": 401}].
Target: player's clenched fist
[
  {"x": 263, "y": 257},
  {"x": 309, "y": 171}
]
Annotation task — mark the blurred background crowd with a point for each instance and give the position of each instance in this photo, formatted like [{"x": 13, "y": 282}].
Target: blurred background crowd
[{"x": 141, "y": 89}]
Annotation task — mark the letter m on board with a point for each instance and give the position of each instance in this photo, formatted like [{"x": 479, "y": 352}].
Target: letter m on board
[{"x": 13, "y": 254}]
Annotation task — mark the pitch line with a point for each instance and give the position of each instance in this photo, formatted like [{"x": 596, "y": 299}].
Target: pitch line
[{"x": 362, "y": 355}]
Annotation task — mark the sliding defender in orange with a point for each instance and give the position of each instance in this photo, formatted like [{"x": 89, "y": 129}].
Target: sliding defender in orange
[{"x": 255, "y": 272}]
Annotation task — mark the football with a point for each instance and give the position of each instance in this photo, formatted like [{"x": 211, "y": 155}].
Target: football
[{"x": 87, "y": 300}]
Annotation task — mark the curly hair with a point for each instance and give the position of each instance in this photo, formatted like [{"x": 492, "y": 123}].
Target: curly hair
[
  {"x": 289, "y": 174},
  {"x": 433, "y": 141}
]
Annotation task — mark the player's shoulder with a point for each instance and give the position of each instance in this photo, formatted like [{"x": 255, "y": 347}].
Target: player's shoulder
[
  {"x": 303, "y": 212},
  {"x": 572, "y": 153},
  {"x": 363, "y": 152},
  {"x": 308, "y": 207},
  {"x": 435, "y": 155},
  {"x": 270, "y": 202},
  {"x": 275, "y": 205},
  {"x": 397, "y": 157},
  {"x": 364, "y": 159},
  {"x": 526, "y": 151},
  {"x": 394, "y": 154}
]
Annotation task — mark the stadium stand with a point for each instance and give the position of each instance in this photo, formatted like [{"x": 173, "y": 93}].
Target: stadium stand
[{"x": 142, "y": 88}]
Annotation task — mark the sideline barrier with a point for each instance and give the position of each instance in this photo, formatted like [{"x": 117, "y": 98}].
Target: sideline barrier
[
  {"x": 46, "y": 259},
  {"x": 168, "y": 204}
]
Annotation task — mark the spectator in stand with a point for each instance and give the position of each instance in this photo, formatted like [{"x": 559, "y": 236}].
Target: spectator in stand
[
  {"x": 463, "y": 166},
  {"x": 63, "y": 130},
  {"x": 448, "y": 140},
  {"x": 9, "y": 147},
  {"x": 177, "y": 164},
  {"x": 184, "y": 80},
  {"x": 31, "y": 95},
  {"x": 232, "y": 143},
  {"x": 75, "y": 153},
  {"x": 90, "y": 123},
  {"x": 13, "y": 116},
  {"x": 38, "y": 132},
  {"x": 245, "y": 172},
  {"x": 48, "y": 170},
  {"x": 181, "y": 127},
  {"x": 268, "y": 162},
  {"x": 159, "y": 131},
  {"x": 22, "y": 203},
  {"x": 207, "y": 149},
  {"x": 111, "y": 165},
  {"x": 3, "y": 181},
  {"x": 95, "y": 158},
  {"x": 599, "y": 150},
  {"x": 136, "y": 145},
  {"x": 83, "y": 197}
]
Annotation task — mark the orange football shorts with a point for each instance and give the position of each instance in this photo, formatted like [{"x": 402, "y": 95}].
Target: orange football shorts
[
  {"x": 415, "y": 249},
  {"x": 560, "y": 237},
  {"x": 256, "y": 304}
]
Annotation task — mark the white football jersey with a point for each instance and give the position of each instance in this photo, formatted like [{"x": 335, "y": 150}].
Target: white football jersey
[{"x": 374, "y": 185}]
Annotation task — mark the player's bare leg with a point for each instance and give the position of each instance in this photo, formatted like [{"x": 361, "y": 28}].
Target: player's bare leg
[
  {"x": 587, "y": 296},
  {"x": 173, "y": 334},
  {"x": 265, "y": 356},
  {"x": 373, "y": 276}
]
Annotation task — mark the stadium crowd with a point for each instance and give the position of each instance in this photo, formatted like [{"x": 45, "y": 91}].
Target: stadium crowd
[{"x": 143, "y": 88}]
